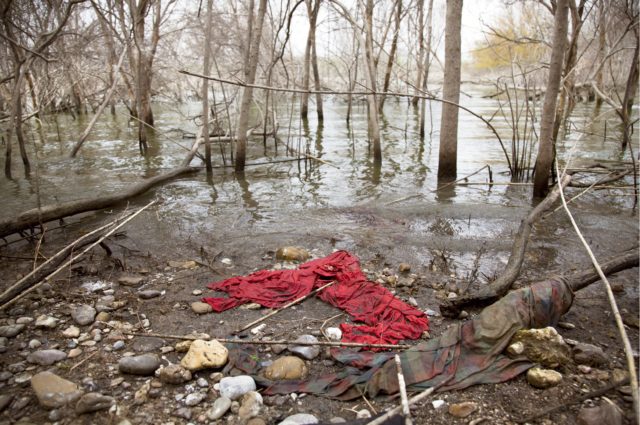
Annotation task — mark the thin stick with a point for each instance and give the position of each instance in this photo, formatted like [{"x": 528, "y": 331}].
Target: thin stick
[
  {"x": 294, "y": 302},
  {"x": 84, "y": 360},
  {"x": 37, "y": 254},
  {"x": 614, "y": 306},
  {"x": 413, "y": 400},
  {"x": 48, "y": 278},
  {"x": 461, "y": 179},
  {"x": 280, "y": 342},
  {"x": 403, "y": 392}
]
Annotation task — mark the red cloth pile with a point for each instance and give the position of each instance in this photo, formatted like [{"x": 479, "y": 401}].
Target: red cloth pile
[{"x": 387, "y": 319}]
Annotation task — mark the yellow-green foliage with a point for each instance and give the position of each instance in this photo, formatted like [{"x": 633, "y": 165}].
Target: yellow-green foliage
[{"x": 515, "y": 37}]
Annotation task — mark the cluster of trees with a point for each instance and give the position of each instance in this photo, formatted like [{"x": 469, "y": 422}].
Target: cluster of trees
[{"x": 74, "y": 55}]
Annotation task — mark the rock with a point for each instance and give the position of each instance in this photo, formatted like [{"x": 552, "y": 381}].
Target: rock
[
  {"x": 46, "y": 357},
  {"x": 363, "y": 414},
  {"x": 278, "y": 348},
  {"x": 129, "y": 280},
  {"x": 220, "y": 407},
  {"x": 5, "y": 400},
  {"x": 334, "y": 334},
  {"x": 103, "y": 316},
  {"x": 34, "y": 343},
  {"x": 46, "y": 322},
  {"x": 5, "y": 375},
  {"x": 462, "y": 410},
  {"x": 173, "y": 374},
  {"x": 404, "y": 268},
  {"x": 236, "y": 386},
  {"x": 299, "y": 419},
  {"x": 566, "y": 325},
  {"x": 196, "y": 292},
  {"x": 147, "y": 344},
  {"x": 118, "y": 345},
  {"x": 202, "y": 383},
  {"x": 183, "y": 264},
  {"x": 194, "y": 399},
  {"x": 149, "y": 294},
  {"x": 308, "y": 352},
  {"x": 515, "y": 349},
  {"x": 183, "y": 346},
  {"x": 256, "y": 421},
  {"x": 71, "y": 332},
  {"x": 288, "y": 367},
  {"x": 199, "y": 307},
  {"x": 92, "y": 402},
  {"x": 22, "y": 378},
  {"x": 608, "y": 413},
  {"x": 543, "y": 378},
  {"x": 589, "y": 354},
  {"x": 619, "y": 375},
  {"x": 144, "y": 364},
  {"x": 141, "y": 396},
  {"x": 544, "y": 346},
  {"x": 24, "y": 320},
  {"x": 83, "y": 314},
  {"x": 337, "y": 420},
  {"x": 250, "y": 406},
  {"x": 438, "y": 403},
  {"x": 584, "y": 368},
  {"x": 9, "y": 331},
  {"x": 205, "y": 354},
  {"x": 291, "y": 253},
  {"x": 258, "y": 329},
  {"x": 183, "y": 412},
  {"x": 53, "y": 391}
]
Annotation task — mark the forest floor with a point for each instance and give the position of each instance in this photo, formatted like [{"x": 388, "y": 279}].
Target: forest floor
[{"x": 447, "y": 249}]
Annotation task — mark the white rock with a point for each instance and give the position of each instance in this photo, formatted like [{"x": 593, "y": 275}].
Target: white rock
[
  {"x": 71, "y": 332},
  {"x": 236, "y": 386},
  {"x": 438, "y": 403},
  {"x": 334, "y": 334},
  {"x": 299, "y": 419},
  {"x": 258, "y": 329},
  {"x": 46, "y": 322}
]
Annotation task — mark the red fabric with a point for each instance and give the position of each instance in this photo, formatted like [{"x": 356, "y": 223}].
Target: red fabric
[{"x": 387, "y": 319}]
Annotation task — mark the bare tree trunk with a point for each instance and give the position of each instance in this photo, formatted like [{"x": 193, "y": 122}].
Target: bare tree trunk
[
  {"x": 602, "y": 45},
  {"x": 629, "y": 94},
  {"x": 250, "y": 67},
  {"x": 544, "y": 160},
  {"x": 392, "y": 54},
  {"x": 314, "y": 65},
  {"x": 448, "y": 155},
  {"x": 374, "y": 127},
  {"x": 420, "y": 59},
  {"x": 205, "y": 88},
  {"x": 311, "y": 60},
  {"x": 427, "y": 64}
]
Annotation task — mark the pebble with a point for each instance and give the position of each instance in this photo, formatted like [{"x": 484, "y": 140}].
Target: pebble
[
  {"x": 25, "y": 320},
  {"x": 5, "y": 400},
  {"x": 334, "y": 334},
  {"x": 9, "y": 331},
  {"x": 34, "y": 343},
  {"x": 413, "y": 302},
  {"x": 462, "y": 410},
  {"x": 543, "y": 378},
  {"x": 292, "y": 253},
  {"x": 438, "y": 403},
  {"x": 199, "y": 307},
  {"x": 202, "y": 383},
  {"x": 284, "y": 368},
  {"x": 130, "y": 280},
  {"x": 404, "y": 268},
  {"x": 46, "y": 357},
  {"x": 53, "y": 391},
  {"x": 306, "y": 351},
  {"x": 71, "y": 332},
  {"x": 194, "y": 399},
  {"x": 149, "y": 294},
  {"x": 363, "y": 414},
  {"x": 251, "y": 405},
  {"x": 183, "y": 412},
  {"x": 174, "y": 374},
  {"x": 299, "y": 419},
  {"x": 103, "y": 316},
  {"x": 22, "y": 378},
  {"x": 589, "y": 354},
  {"x": 92, "y": 402},
  {"x": 278, "y": 348},
  {"x": 56, "y": 415},
  {"x": 258, "y": 329},
  {"x": 5, "y": 375},
  {"x": 583, "y": 368},
  {"x": 196, "y": 292},
  {"x": 256, "y": 421},
  {"x": 220, "y": 407},
  {"x": 205, "y": 354},
  {"x": 46, "y": 322},
  {"x": 118, "y": 345},
  {"x": 608, "y": 413},
  {"x": 147, "y": 344},
  {"x": 83, "y": 314},
  {"x": 337, "y": 420},
  {"x": 566, "y": 325},
  {"x": 144, "y": 364},
  {"x": 183, "y": 346},
  {"x": 236, "y": 386},
  {"x": 4, "y": 343}
]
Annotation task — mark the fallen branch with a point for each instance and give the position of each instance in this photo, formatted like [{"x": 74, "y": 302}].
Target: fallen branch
[
  {"x": 496, "y": 289},
  {"x": 403, "y": 392},
  {"x": 284, "y": 307},
  {"x": 582, "y": 279}
]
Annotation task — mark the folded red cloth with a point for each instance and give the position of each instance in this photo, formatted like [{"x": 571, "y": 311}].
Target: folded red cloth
[{"x": 387, "y": 319}]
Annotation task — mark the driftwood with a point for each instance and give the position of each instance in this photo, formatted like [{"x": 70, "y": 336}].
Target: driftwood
[
  {"x": 626, "y": 260},
  {"x": 496, "y": 289}
]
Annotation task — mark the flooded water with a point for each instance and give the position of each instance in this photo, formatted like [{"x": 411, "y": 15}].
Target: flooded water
[{"x": 350, "y": 204}]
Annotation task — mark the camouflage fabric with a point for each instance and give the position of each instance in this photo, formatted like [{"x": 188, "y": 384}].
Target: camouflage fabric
[{"x": 465, "y": 354}]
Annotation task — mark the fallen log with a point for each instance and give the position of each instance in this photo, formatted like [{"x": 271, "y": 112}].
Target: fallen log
[
  {"x": 626, "y": 260},
  {"x": 496, "y": 289}
]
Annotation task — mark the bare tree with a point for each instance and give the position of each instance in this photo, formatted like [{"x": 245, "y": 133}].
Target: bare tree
[
  {"x": 392, "y": 53},
  {"x": 311, "y": 61},
  {"x": 448, "y": 155}
]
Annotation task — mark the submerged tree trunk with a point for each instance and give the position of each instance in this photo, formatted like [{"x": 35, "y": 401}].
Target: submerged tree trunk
[
  {"x": 311, "y": 61},
  {"x": 250, "y": 67},
  {"x": 629, "y": 94},
  {"x": 374, "y": 126},
  {"x": 448, "y": 155},
  {"x": 392, "y": 54},
  {"x": 420, "y": 59},
  {"x": 544, "y": 160},
  {"x": 427, "y": 64},
  {"x": 205, "y": 88}
]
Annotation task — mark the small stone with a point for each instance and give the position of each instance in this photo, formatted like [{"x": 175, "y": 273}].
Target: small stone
[
  {"x": 278, "y": 348},
  {"x": 196, "y": 292},
  {"x": 363, "y": 414},
  {"x": 543, "y": 346},
  {"x": 404, "y": 268},
  {"x": 144, "y": 364},
  {"x": 251, "y": 306},
  {"x": 22, "y": 378},
  {"x": 566, "y": 325},
  {"x": 5, "y": 375},
  {"x": 46, "y": 357},
  {"x": 258, "y": 329},
  {"x": 543, "y": 378},
  {"x": 199, "y": 307},
  {"x": 619, "y": 375},
  {"x": 462, "y": 410},
  {"x": 34, "y": 343},
  {"x": 83, "y": 314},
  {"x": 183, "y": 412},
  {"x": 92, "y": 402},
  {"x": 413, "y": 302},
  {"x": 589, "y": 354},
  {"x": 452, "y": 295},
  {"x": 147, "y": 344},
  {"x": 583, "y": 368},
  {"x": 337, "y": 420},
  {"x": 71, "y": 332},
  {"x": 220, "y": 407},
  {"x": 251, "y": 405},
  {"x": 334, "y": 334},
  {"x": 103, "y": 316},
  {"x": 284, "y": 368},
  {"x": 205, "y": 354},
  {"x": 183, "y": 346},
  {"x": 202, "y": 383},
  {"x": 10, "y": 331},
  {"x": 215, "y": 377},
  {"x": 173, "y": 374},
  {"x": 236, "y": 386},
  {"x": 24, "y": 320},
  {"x": 118, "y": 345},
  {"x": 53, "y": 391},
  {"x": 463, "y": 314},
  {"x": 194, "y": 399},
  {"x": 130, "y": 280},
  {"x": 431, "y": 313},
  {"x": 5, "y": 400},
  {"x": 438, "y": 403},
  {"x": 256, "y": 421},
  {"x": 308, "y": 352},
  {"x": 183, "y": 264},
  {"x": 226, "y": 261},
  {"x": 149, "y": 294},
  {"x": 299, "y": 419},
  {"x": 515, "y": 349},
  {"x": 46, "y": 322},
  {"x": 608, "y": 413}
]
